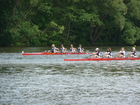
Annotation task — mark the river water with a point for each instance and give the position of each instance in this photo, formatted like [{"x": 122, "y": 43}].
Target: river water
[{"x": 49, "y": 80}]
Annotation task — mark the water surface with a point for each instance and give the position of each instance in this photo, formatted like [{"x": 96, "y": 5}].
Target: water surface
[{"x": 48, "y": 80}]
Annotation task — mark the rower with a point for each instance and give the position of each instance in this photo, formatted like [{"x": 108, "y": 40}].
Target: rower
[
  {"x": 72, "y": 49},
  {"x": 133, "y": 52},
  {"x": 108, "y": 53},
  {"x": 80, "y": 49},
  {"x": 54, "y": 49},
  {"x": 62, "y": 49},
  {"x": 121, "y": 53},
  {"x": 97, "y": 53}
]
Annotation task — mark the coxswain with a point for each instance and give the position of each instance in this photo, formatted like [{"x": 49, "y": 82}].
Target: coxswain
[
  {"x": 54, "y": 49},
  {"x": 72, "y": 49},
  {"x": 80, "y": 49},
  {"x": 133, "y": 52},
  {"x": 96, "y": 54},
  {"x": 62, "y": 49},
  {"x": 108, "y": 53},
  {"x": 121, "y": 53}
]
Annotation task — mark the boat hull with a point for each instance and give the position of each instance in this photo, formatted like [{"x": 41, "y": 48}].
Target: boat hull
[
  {"x": 45, "y": 53},
  {"x": 102, "y": 59}
]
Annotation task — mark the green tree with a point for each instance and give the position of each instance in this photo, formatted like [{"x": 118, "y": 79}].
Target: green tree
[
  {"x": 43, "y": 22},
  {"x": 131, "y": 32}
]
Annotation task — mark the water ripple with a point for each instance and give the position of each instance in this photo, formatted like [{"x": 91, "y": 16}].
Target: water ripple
[{"x": 48, "y": 80}]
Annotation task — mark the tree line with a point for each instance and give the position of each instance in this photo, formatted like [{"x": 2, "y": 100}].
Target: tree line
[{"x": 86, "y": 22}]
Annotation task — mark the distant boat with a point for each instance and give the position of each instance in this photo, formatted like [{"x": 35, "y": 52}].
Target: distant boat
[{"x": 48, "y": 53}]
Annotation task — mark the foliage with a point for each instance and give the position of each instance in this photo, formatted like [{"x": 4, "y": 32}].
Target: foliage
[{"x": 87, "y": 22}]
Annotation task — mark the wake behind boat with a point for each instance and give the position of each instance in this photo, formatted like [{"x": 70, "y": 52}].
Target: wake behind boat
[
  {"x": 102, "y": 59},
  {"x": 49, "y": 53}
]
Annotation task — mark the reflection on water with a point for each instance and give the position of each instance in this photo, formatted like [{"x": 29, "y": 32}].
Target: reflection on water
[{"x": 48, "y": 80}]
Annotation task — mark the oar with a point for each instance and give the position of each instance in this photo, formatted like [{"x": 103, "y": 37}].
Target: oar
[{"x": 89, "y": 56}]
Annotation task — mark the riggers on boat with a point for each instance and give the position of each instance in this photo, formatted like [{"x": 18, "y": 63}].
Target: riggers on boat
[
  {"x": 102, "y": 59},
  {"x": 49, "y": 53}
]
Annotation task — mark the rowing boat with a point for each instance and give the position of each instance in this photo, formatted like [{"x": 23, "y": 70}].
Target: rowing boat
[
  {"x": 47, "y": 53},
  {"x": 102, "y": 59}
]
